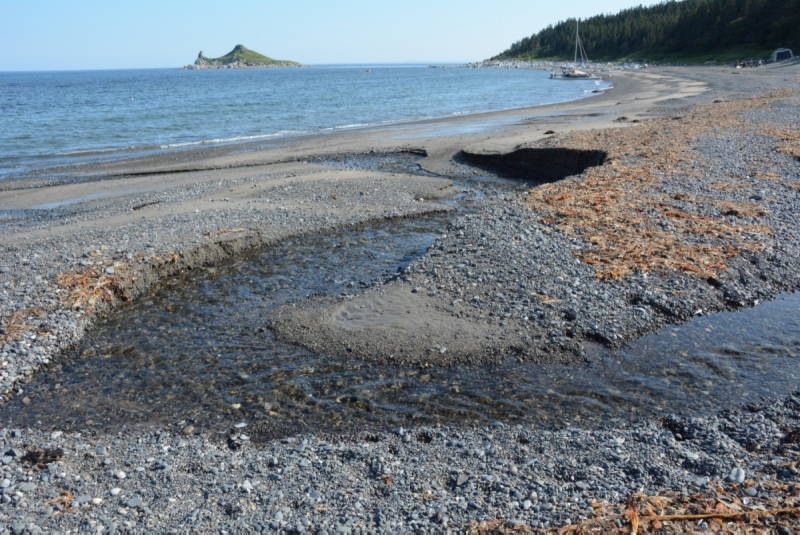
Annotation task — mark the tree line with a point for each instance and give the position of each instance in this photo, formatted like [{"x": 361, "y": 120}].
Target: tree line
[{"x": 679, "y": 28}]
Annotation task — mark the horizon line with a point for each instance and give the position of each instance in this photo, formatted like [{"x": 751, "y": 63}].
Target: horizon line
[{"x": 410, "y": 62}]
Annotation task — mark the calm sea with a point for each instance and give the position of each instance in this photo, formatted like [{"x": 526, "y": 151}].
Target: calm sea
[{"x": 59, "y": 118}]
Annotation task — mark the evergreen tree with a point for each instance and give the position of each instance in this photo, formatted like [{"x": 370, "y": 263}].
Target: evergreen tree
[{"x": 671, "y": 28}]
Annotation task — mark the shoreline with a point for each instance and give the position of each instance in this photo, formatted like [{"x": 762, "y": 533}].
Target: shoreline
[
  {"x": 229, "y": 164},
  {"x": 149, "y": 151},
  {"x": 170, "y": 206}
]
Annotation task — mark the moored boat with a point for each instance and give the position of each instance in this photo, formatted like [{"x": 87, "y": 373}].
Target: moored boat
[{"x": 572, "y": 72}]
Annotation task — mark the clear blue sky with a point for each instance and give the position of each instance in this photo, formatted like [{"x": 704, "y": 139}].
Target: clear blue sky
[{"x": 98, "y": 34}]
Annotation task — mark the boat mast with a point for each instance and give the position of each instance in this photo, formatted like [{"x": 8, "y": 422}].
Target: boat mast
[{"x": 575, "y": 60}]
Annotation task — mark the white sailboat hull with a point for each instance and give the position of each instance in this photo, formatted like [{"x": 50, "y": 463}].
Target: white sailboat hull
[{"x": 572, "y": 72}]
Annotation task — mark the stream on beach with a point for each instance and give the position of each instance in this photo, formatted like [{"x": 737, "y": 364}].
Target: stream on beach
[{"x": 196, "y": 352}]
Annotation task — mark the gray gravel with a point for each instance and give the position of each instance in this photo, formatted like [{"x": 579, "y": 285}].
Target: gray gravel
[{"x": 423, "y": 480}]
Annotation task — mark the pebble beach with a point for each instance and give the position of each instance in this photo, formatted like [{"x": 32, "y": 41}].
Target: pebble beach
[{"x": 701, "y": 165}]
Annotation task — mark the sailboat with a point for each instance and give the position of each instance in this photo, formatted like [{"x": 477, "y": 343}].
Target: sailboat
[{"x": 572, "y": 72}]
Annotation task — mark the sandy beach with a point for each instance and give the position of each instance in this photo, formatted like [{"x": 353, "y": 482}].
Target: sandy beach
[{"x": 672, "y": 196}]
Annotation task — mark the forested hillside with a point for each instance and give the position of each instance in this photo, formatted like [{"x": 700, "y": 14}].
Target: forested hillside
[{"x": 699, "y": 29}]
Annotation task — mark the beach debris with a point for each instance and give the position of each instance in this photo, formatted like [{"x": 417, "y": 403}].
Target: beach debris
[
  {"x": 144, "y": 205},
  {"x": 742, "y": 209},
  {"x": 547, "y": 300},
  {"x": 41, "y": 457},
  {"x": 95, "y": 285},
  {"x": 720, "y": 510},
  {"x": 63, "y": 502},
  {"x": 17, "y": 324},
  {"x": 627, "y": 224},
  {"x": 792, "y": 437},
  {"x": 790, "y": 139},
  {"x": 223, "y": 231}
]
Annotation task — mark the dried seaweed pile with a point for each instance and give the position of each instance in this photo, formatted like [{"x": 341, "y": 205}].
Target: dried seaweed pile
[
  {"x": 17, "y": 324},
  {"x": 790, "y": 140},
  {"x": 107, "y": 282},
  {"x": 723, "y": 509},
  {"x": 629, "y": 226},
  {"x": 88, "y": 288}
]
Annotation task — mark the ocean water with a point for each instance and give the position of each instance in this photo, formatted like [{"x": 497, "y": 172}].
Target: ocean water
[{"x": 60, "y": 118}]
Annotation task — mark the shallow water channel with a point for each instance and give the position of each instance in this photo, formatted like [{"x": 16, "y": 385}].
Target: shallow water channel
[{"x": 196, "y": 352}]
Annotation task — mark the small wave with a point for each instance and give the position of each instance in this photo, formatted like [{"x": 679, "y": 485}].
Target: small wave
[
  {"x": 227, "y": 139},
  {"x": 347, "y": 126},
  {"x": 82, "y": 153},
  {"x": 353, "y": 125},
  {"x": 89, "y": 152}
]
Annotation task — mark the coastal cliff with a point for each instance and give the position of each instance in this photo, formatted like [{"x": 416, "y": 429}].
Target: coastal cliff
[{"x": 239, "y": 58}]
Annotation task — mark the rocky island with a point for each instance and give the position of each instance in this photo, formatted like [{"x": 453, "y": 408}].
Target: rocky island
[{"x": 240, "y": 57}]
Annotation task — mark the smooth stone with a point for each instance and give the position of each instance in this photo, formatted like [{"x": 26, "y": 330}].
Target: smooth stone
[{"x": 737, "y": 476}]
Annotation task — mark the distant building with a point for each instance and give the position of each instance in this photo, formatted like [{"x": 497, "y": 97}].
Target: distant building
[{"x": 781, "y": 54}]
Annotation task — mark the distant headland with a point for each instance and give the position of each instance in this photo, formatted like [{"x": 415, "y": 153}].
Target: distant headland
[{"x": 239, "y": 58}]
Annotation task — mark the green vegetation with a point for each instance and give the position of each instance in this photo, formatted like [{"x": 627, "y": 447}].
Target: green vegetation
[
  {"x": 689, "y": 31},
  {"x": 246, "y": 57}
]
